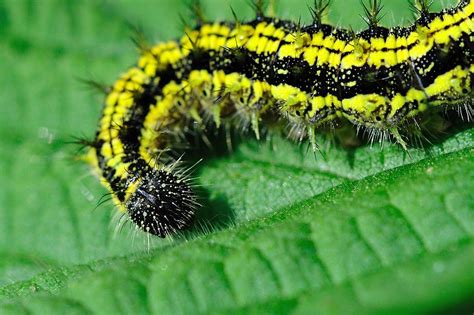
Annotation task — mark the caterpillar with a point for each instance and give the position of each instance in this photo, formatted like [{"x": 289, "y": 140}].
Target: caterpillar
[{"x": 270, "y": 72}]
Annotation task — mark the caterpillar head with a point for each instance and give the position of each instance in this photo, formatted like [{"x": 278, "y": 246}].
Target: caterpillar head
[{"x": 162, "y": 203}]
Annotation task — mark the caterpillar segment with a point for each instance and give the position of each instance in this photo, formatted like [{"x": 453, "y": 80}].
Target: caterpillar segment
[{"x": 269, "y": 71}]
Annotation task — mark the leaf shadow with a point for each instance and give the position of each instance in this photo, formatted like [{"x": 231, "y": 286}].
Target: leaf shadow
[{"x": 214, "y": 212}]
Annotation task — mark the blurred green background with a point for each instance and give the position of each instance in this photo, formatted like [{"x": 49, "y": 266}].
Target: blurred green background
[{"x": 355, "y": 230}]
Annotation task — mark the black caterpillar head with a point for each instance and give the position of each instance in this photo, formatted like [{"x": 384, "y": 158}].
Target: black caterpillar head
[{"x": 162, "y": 204}]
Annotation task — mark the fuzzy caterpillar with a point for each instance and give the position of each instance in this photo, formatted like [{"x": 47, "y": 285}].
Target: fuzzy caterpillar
[{"x": 266, "y": 71}]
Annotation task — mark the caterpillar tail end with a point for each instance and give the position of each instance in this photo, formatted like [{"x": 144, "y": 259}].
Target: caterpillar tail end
[{"x": 162, "y": 204}]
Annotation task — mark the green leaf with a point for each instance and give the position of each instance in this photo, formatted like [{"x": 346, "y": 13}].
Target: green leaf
[{"x": 354, "y": 231}]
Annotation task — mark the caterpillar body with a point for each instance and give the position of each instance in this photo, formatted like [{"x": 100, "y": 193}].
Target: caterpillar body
[{"x": 268, "y": 71}]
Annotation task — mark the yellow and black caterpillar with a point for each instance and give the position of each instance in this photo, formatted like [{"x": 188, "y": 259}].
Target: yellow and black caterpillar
[{"x": 269, "y": 71}]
